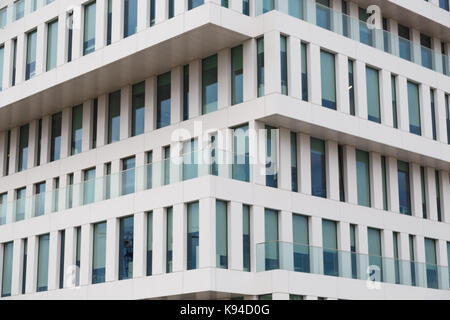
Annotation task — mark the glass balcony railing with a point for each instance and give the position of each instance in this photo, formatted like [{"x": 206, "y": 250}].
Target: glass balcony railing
[
  {"x": 278, "y": 255},
  {"x": 153, "y": 175},
  {"x": 327, "y": 18}
]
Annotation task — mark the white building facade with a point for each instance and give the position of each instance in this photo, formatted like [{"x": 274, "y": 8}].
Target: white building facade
[{"x": 240, "y": 149}]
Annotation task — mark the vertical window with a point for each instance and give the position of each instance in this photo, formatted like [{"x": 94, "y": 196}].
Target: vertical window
[
  {"x": 128, "y": 175},
  {"x": 138, "y": 109},
  {"x": 373, "y": 95},
  {"x": 438, "y": 195},
  {"x": 295, "y": 8},
  {"x": 294, "y": 165},
  {"x": 169, "y": 239},
  {"x": 396, "y": 258},
  {"x": 404, "y": 43},
  {"x": 260, "y": 65},
  {"x": 375, "y": 254},
  {"x": 190, "y": 159},
  {"x": 19, "y": 9},
  {"x": 94, "y": 124},
  {"x": 99, "y": 253},
  {"x": 271, "y": 157},
  {"x": 209, "y": 84},
  {"x": 330, "y": 246},
  {"x": 363, "y": 178},
  {"x": 225, "y": 3},
  {"x": 246, "y": 7},
  {"x": 42, "y": 267},
  {"x": 186, "y": 92},
  {"x": 109, "y": 23},
  {"x": 69, "y": 191},
  {"x": 246, "y": 237},
  {"x": 149, "y": 243},
  {"x": 301, "y": 243},
  {"x": 69, "y": 36},
  {"x": 304, "y": 62},
  {"x": 52, "y": 44},
  {"x": 171, "y": 8},
  {"x": 130, "y": 18},
  {"x": 214, "y": 168},
  {"x": 89, "y": 186},
  {"x": 55, "y": 195},
  {"x": 353, "y": 253},
  {"x": 241, "y": 163},
  {"x": 152, "y": 12},
  {"x": 412, "y": 258},
  {"x": 404, "y": 188},
  {"x": 431, "y": 263},
  {"x": 166, "y": 161},
  {"x": 424, "y": 195},
  {"x": 30, "y": 70},
  {"x": 89, "y": 28},
  {"x": 77, "y": 129},
  {"x": 323, "y": 14},
  {"x": 221, "y": 235},
  {"x": 3, "y": 17},
  {"x": 237, "y": 73},
  {"x": 114, "y": 117},
  {"x": 271, "y": 239},
  {"x": 345, "y": 19},
  {"x": 2, "y": 57},
  {"x": 62, "y": 244},
  {"x": 23, "y": 147},
  {"x": 108, "y": 181},
  {"x": 163, "y": 101},
  {"x": 55, "y": 151},
  {"x": 384, "y": 182},
  {"x": 426, "y": 52},
  {"x": 365, "y": 34},
  {"x": 14, "y": 66},
  {"x": 414, "y": 108},
  {"x": 39, "y": 199},
  {"x": 194, "y": 3},
  {"x": 394, "y": 102},
  {"x": 3, "y": 207},
  {"x": 20, "y": 204},
  {"x": 328, "y": 76},
  {"x": 447, "y": 111},
  {"x": 351, "y": 86},
  {"x": 126, "y": 241},
  {"x": 7, "y": 268},
  {"x": 284, "y": 65},
  {"x": 318, "y": 171},
  {"x": 78, "y": 254},
  {"x": 444, "y": 4},
  {"x": 8, "y": 152},
  {"x": 341, "y": 173},
  {"x": 24, "y": 265},
  {"x": 39, "y": 143},
  {"x": 149, "y": 169},
  {"x": 193, "y": 237}
]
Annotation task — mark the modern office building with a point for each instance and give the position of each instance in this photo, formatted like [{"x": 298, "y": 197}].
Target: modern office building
[{"x": 240, "y": 149}]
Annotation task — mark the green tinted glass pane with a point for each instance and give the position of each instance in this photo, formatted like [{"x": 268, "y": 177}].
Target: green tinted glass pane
[
  {"x": 363, "y": 177},
  {"x": 329, "y": 232},
  {"x": 373, "y": 95}
]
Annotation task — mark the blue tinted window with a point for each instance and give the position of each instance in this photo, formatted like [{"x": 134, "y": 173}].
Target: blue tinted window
[
  {"x": 318, "y": 173},
  {"x": 126, "y": 240}
]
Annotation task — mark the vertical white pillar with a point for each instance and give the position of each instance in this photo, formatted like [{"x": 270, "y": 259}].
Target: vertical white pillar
[
  {"x": 179, "y": 237},
  {"x": 284, "y": 173},
  {"x": 3, "y": 152},
  {"x": 416, "y": 48},
  {"x": 441, "y": 123},
  {"x": 17, "y": 267},
  {"x": 177, "y": 95},
  {"x": 117, "y": 21},
  {"x": 14, "y": 150},
  {"x": 362, "y": 247},
  {"x": 425, "y": 110},
  {"x": 272, "y": 66},
  {"x": 112, "y": 249},
  {"x": 392, "y": 184},
  {"x": 161, "y": 11},
  {"x": 387, "y": 249},
  {"x": 314, "y": 78},
  {"x": 125, "y": 112},
  {"x": 445, "y": 195},
  {"x": 360, "y": 89},
  {"x": 332, "y": 169},
  {"x": 45, "y": 142},
  {"x": 32, "y": 259},
  {"x": 224, "y": 78},
  {"x": 416, "y": 190},
  {"x": 61, "y": 54},
  {"x": 235, "y": 236},
  {"x": 342, "y": 91},
  {"x": 195, "y": 89},
  {"x": 87, "y": 125},
  {"x": 53, "y": 261},
  {"x": 77, "y": 32},
  {"x": 304, "y": 158},
  {"x": 180, "y": 7},
  {"x": 143, "y": 14},
  {"x": 32, "y": 143},
  {"x": 140, "y": 245},
  {"x": 159, "y": 241},
  {"x": 207, "y": 233},
  {"x": 257, "y": 237},
  {"x": 21, "y": 57},
  {"x": 7, "y": 64},
  {"x": 316, "y": 240},
  {"x": 442, "y": 260},
  {"x": 102, "y": 120},
  {"x": 257, "y": 152},
  {"x": 402, "y": 104},
  {"x": 66, "y": 130},
  {"x": 70, "y": 245},
  {"x": 249, "y": 69},
  {"x": 101, "y": 19},
  {"x": 150, "y": 104},
  {"x": 237, "y": 5},
  {"x": 386, "y": 98},
  {"x": 286, "y": 237},
  {"x": 41, "y": 48},
  {"x": 87, "y": 242},
  {"x": 294, "y": 67},
  {"x": 419, "y": 253},
  {"x": 430, "y": 193},
  {"x": 343, "y": 234},
  {"x": 404, "y": 255},
  {"x": 376, "y": 183}
]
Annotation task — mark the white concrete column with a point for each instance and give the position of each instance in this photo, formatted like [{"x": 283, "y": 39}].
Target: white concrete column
[
  {"x": 345, "y": 263},
  {"x": 419, "y": 252},
  {"x": 21, "y": 57},
  {"x": 159, "y": 241},
  {"x": 32, "y": 259},
  {"x": 61, "y": 53},
  {"x": 441, "y": 116},
  {"x": 430, "y": 193},
  {"x": 402, "y": 103},
  {"x": 360, "y": 89},
  {"x": 250, "y": 69},
  {"x": 112, "y": 250},
  {"x": 425, "y": 111},
  {"x": 180, "y": 7},
  {"x": 179, "y": 237},
  {"x": 125, "y": 112},
  {"x": 87, "y": 243},
  {"x": 224, "y": 78},
  {"x": 416, "y": 190},
  {"x": 41, "y": 40},
  {"x": 272, "y": 65},
  {"x": 387, "y": 249},
  {"x": 195, "y": 89},
  {"x": 392, "y": 184},
  {"x": 404, "y": 255},
  {"x": 45, "y": 141},
  {"x": 304, "y": 159},
  {"x": 236, "y": 259},
  {"x": 207, "y": 233},
  {"x": 66, "y": 130},
  {"x": 257, "y": 152},
  {"x": 117, "y": 21},
  {"x": 314, "y": 78},
  {"x": 257, "y": 236},
  {"x": 70, "y": 246},
  {"x": 7, "y": 64},
  {"x": 237, "y": 5},
  {"x": 332, "y": 169},
  {"x": 350, "y": 185},
  {"x": 14, "y": 150},
  {"x": 286, "y": 236},
  {"x": 294, "y": 67},
  {"x": 143, "y": 14},
  {"x": 386, "y": 98},
  {"x": 53, "y": 261},
  {"x": 150, "y": 104},
  {"x": 32, "y": 143},
  {"x": 3, "y": 151},
  {"x": 284, "y": 172},
  {"x": 376, "y": 182},
  {"x": 101, "y": 19},
  {"x": 176, "y": 95},
  {"x": 442, "y": 260},
  {"x": 140, "y": 245},
  {"x": 161, "y": 11},
  {"x": 394, "y": 44},
  {"x": 102, "y": 120},
  {"x": 416, "y": 48},
  {"x": 342, "y": 90},
  {"x": 362, "y": 248},
  {"x": 88, "y": 107},
  {"x": 17, "y": 267},
  {"x": 445, "y": 195},
  {"x": 77, "y": 32},
  {"x": 316, "y": 240}
]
